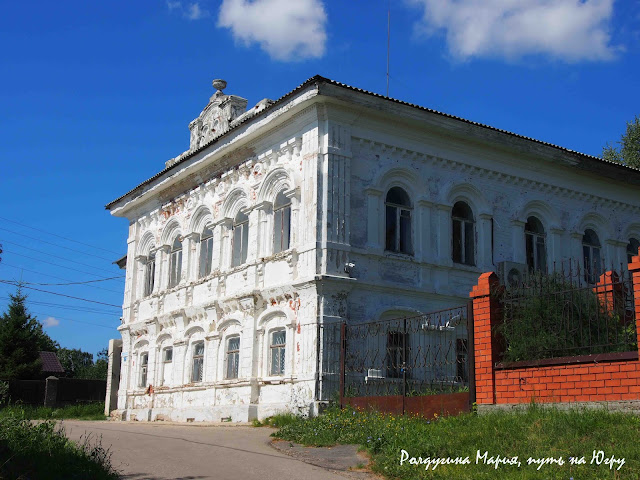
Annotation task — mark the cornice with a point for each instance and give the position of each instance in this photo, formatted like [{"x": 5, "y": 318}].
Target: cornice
[{"x": 489, "y": 174}]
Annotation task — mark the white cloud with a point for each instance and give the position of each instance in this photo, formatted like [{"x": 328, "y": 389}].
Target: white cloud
[
  {"x": 570, "y": 30},
  {"x": 193, "y": 11},
  {"x": 285, "y": 29},
  {"x": 51, "y": 322},
  {"x": 173, "y": 5}
]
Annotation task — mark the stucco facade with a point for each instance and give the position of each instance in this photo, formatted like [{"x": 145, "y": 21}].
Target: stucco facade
[{"x": 332, "y": 204}]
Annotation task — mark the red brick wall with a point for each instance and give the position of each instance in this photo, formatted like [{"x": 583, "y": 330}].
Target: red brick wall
[{"x": 601, "y": 381}]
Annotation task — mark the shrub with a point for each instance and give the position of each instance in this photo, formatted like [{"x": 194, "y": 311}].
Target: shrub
[{"x": 550, "y": 317}]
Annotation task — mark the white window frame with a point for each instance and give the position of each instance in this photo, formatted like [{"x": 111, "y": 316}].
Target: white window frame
[
  {"x": 164, "y": 362},
  {"x": 467, "y": 255},
  {"x": 149, "y": 274},
  {"x": 175, "y": 263},
  {"x": 532, "y": 240},
  {"x": 229, "y": 355},
  {"x": 277, "y": 349},
  {"x": 143, "y": 369},
  {"x": 592, "y": 268},
  {"x": 239, "y": 239},
  {"x": 197, "y": 358},
  {"x": 205, "y": 261},
  {"x": 400, "y": 212},
  {"x": 281, "y": 212}
]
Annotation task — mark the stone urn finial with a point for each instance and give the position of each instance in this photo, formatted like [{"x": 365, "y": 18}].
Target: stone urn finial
[{"x": 219, "y": 84}]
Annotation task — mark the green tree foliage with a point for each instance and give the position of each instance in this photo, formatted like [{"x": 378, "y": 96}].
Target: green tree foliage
[
  {"x": 19, "y": 346},
  {"x": 629, "y": 151},
  {"x": 79, "y": 364}
]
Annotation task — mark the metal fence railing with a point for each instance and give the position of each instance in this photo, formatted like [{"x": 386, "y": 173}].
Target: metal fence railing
[{"x": 561, "y": 314}]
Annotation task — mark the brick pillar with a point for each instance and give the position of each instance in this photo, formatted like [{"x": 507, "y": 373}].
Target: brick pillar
[
  {"x": 634, "y": 270},
  {"x": 609, "y": 291},
  {"x": 486, "y": 314}
]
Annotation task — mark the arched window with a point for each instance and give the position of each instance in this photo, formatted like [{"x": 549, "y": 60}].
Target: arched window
[
  {"x": 632, "y": 249},
  {"x": 175, "y": 262},
  {"x": 534, "y": 243},
  {"x": 281, "y": 223},
  {"x": 240, "y": 239},
  {"x": 463, "y": 234},
  {"x": 206, "y": 252},
  {"x": 398, "y": 221},
  {"x": 591, "y": 255},
  {"x": 149, "y": 273}
]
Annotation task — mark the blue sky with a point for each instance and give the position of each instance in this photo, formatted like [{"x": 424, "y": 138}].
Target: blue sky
[{"x": 96, "y": 96}]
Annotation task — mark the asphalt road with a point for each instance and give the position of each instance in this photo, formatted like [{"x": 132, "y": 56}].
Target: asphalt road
[{"x": 180, "y": 452}]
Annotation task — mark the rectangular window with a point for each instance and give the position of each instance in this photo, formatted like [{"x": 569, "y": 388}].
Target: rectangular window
[
  {"x": 457, "y": 241},
  {"x": 144, "y": 365},
  {"x": 469, "y": 244},
  {"x": 233, "y": 357},
  {"x": 396, "y": 353},
  {"x": 405, "y": 232},
  {"x": 206, "y": 256},
  {"x": 281, "y": 229},
  {"x": 175, "y": 268},
  {"x": 149, "y": 275},
  {"x": 390, "y": 242},
  {"x": 198, "y": 362},
  {"x": 277, "y": 347},
  {"x": 240, "y": 244},
  {"x": 167, "y": 360}
]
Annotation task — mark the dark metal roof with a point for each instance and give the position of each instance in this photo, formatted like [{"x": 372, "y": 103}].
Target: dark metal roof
[
  {"x": 50, "y": 363},
  {"x": 323, "y": 80}
]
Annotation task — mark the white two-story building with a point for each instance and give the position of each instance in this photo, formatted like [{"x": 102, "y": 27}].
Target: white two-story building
[{"x": 334, "y": 204}]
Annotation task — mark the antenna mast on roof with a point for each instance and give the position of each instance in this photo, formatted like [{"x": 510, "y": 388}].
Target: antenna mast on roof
[{"x": 388, "y": 41}]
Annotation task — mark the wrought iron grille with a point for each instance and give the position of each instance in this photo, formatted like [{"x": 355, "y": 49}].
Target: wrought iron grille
[{"x": 410, "y": 356}]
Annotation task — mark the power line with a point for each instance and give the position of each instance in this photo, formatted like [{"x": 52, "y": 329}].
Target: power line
[
  {"x": 17, "y": 284},
  {"x": 56, "y": 244},
  {"x": 72, "y": 283},
  {"x": 54, "y": 264},
  {"x": 59, "y": 236},
  {"x": 54, "y": 256},
  {"x": 62, "y": 306},
  {"x": 59, "y": 278},
  {"x": 76, "y": 321}
]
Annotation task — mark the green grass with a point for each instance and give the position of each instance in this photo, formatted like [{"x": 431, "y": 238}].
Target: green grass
[
  {"x": 537, "y": 432},
  {"x": 87, "y": 411},
  {"x": 279, "y": 420},
  {"x": 41, "y": 450}
]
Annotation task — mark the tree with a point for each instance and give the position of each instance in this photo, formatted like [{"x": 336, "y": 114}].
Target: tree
[
  {"x": 74, "y": 361},
  {"x": 19, "y": 347},
  {"x": 629, "y": 151}
]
